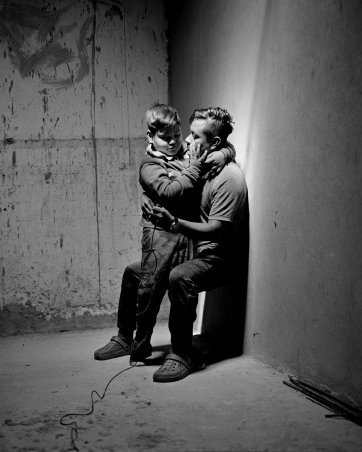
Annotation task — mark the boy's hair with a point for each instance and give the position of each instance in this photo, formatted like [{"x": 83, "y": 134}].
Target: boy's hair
[
  {"x": 160, "y": 116},
  {"x": 220, "y": 121}
]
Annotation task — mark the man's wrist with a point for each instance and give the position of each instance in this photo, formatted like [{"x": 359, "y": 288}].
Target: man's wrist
[{"x": 175, "y": 225}]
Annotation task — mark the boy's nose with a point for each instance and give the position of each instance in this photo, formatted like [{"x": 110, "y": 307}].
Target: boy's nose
[{"x": 188, "y": 139}]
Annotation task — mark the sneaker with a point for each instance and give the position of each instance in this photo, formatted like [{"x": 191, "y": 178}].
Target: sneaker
[
  {"x": 176, "y": 368},
  {"x": 114, "y": 349}
]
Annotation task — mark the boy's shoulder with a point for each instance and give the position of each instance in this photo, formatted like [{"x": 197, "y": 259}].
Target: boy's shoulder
[
  {"x": 178, "y": 164},
  {"x": 152, "y": 159}
]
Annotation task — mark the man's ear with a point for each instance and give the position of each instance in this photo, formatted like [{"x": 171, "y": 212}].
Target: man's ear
[
  {"x": 215, "y": 143},
  {"x": 149, "y": 136}
]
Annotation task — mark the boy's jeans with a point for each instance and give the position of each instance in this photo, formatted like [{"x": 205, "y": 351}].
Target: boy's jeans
[{"x": 144, "y": 283}]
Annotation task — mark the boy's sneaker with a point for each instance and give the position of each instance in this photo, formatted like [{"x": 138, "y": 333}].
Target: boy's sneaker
[{"x": 114, "y": 349}]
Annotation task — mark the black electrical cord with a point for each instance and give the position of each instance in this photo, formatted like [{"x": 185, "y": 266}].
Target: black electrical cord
[
  {"x": 73, "y": 424},
  {"x": 152, "y": 251}
]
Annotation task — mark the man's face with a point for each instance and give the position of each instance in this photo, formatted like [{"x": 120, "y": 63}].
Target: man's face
[
  {"x": 197, "y": 135},
  {"x": 168, "y": 141}
]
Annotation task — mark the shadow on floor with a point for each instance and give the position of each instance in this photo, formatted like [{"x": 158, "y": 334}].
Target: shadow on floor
[{"x": 210, "y": 349}]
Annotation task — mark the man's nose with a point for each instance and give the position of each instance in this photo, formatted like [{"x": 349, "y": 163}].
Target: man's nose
[{"x": 188, "y": 139}]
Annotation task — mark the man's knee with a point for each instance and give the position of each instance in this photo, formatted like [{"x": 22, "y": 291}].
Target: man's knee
[{"x": 181, "y": 281}]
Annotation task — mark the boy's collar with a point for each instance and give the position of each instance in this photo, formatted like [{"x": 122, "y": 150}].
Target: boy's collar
[{"x": 150, "y": 150}]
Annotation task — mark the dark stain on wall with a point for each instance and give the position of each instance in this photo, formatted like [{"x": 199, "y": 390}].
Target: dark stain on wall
[
  {"x": 82, "y": 51},
  {"x": 47, "y": 177},
  {"x": 18, "y": 318},
  {"x": 19, "y": 23},
  {"x": 114, "y": 11}
]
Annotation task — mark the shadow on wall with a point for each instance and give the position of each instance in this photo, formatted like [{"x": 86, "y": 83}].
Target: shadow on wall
[{"x": 223, "y": 322}]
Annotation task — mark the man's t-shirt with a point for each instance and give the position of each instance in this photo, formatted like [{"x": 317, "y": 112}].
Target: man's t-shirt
[{"x": 224, "y": 198}]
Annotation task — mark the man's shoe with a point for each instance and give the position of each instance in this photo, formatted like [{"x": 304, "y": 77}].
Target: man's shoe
[
  {"x": 174, "y": 368},
  {"x": 114, "y": 349}
]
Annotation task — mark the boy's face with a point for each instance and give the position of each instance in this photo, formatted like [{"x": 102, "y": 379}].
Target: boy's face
[
  {"x": 168, "y": 141},
  {"x": 198, "y": 127}
]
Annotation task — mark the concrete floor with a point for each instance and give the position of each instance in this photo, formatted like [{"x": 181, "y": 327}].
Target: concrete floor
[{"x": 237, "y": 404}]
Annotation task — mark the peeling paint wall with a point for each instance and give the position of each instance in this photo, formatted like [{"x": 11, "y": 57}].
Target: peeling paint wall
[
  {"x": 75, "y": 80},
  {"x": 290, "y": 72}
]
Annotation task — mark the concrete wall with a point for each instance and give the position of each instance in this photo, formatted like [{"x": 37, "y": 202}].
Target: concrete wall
[
  {"x": 291, "y": 74},
  {"x": 75, "y": 81}
]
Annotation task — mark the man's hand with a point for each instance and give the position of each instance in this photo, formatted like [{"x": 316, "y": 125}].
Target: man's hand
[
  {"x": 147, "y": 206},
  {"x": 161, "y": 217}
]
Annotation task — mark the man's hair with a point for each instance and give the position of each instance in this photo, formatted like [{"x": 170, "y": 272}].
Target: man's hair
[
  {"x": 160, "y": 116},
  {"x": 220, "y": 121}
]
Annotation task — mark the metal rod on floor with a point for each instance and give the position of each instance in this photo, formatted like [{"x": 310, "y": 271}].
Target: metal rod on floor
[{"x": 340, "y": 408}]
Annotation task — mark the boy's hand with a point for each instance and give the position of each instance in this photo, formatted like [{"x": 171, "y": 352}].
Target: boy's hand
[
  {"x": 194, "y": 152},
  {"x": 147, "y": 206},
  {"x": 161, "y": 217},
  {"x": 216, "y": 162}
]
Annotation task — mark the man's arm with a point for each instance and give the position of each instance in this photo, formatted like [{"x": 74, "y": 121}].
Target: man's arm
[{"x": 212, "y": 230}]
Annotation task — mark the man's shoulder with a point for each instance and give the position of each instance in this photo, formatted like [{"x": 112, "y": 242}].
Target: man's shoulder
[
  {"x": 233, "y": 174},
  {"x": 232, "y": 168}
]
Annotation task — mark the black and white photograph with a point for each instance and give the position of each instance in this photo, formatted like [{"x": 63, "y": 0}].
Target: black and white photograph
[{"x": 181, "y": 225}]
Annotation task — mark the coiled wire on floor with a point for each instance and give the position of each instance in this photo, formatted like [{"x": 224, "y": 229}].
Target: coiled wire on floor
[{"x": 73, "y": 424}]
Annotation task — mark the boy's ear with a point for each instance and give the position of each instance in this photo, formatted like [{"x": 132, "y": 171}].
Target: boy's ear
[
  {"x": 215, "y": 143},
  {"x": 149, "y": 136}
]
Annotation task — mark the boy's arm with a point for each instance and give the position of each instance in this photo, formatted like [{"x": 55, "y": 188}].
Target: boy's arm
[
  {"x": 147, "y": 206},
  {"x": 155, "y": 179},
  {"x": 218, "y": 159}
]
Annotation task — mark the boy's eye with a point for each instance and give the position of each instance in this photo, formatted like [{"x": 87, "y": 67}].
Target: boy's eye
[{"x": 163, "y": 137}]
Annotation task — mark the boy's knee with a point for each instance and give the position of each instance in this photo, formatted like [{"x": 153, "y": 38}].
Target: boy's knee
[
  {"x": 176, "y": 276},
  {"x": 132, "y": 272}
]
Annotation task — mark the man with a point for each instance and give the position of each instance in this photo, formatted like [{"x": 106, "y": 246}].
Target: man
[{"x": 221, "y": 242}]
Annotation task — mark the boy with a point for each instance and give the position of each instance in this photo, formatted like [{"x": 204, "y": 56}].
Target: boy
[{"x": 172, "y": 180}]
